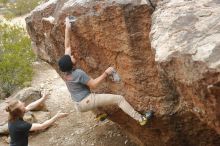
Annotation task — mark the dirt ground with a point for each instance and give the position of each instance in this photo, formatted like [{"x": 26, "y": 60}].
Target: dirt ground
[{"x": 78, "y": 129}]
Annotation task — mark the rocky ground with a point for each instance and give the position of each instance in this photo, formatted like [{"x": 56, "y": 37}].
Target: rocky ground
[{"x": 78, "y": 128}]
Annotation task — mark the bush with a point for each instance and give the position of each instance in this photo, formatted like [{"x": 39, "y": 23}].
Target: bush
[
  {"x": 3, "y": 1},
  {"x": 19, "y": 7},
  {"x": 16, "y": 58}
]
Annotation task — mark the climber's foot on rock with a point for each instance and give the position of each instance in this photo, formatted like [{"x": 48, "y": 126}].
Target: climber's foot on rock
[{"x": 146, "y": 117}]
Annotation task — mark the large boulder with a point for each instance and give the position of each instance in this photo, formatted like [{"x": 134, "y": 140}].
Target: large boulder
[
  {"x": 163, "y": 77},
  {"x": 185, "y": 37}
]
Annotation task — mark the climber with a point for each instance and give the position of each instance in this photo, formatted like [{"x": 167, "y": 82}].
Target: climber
[
  {"x": 18, "y": 128},
  {"x": 79, "y": 85}
]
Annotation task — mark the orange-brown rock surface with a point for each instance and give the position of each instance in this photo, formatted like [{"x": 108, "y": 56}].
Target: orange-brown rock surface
[{"x": 121, "y": 33}]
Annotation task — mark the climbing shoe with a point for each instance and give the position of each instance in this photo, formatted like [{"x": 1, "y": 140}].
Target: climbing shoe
[
  {"x": 101, "y": 117},
  {"x": 146, "y": 117},
  {"x": 143, "y": 121}
]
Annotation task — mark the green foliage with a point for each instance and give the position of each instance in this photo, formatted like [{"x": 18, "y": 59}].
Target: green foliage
[
  {"x": 3, "y": 1},
  {"x": 16, "y": 58},
  {"x": 19, "y": 7}
]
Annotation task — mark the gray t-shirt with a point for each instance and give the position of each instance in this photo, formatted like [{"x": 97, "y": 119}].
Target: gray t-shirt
[{"x": 77, "y": 86}]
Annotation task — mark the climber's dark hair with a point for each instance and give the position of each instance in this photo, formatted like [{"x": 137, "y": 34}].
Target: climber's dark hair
[
  {"x": 13, "y": 109},
  {"x": 65, "y": 63}
]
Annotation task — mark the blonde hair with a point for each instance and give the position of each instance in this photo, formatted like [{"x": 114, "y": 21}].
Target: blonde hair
[{"x": 13, "y": 109}]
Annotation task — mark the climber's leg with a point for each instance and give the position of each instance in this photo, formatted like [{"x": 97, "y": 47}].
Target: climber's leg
[
  {"x": 102, "y": 99},
  {"x": 99, "y": 100}
]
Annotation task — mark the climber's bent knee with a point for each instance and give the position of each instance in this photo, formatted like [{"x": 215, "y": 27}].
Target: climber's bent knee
[{"x": 119, "y": 99}]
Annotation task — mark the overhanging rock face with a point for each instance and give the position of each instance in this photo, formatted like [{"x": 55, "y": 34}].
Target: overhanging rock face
[
  {"x": 185, "y": 36},
  {"x": 117, "y": 33}
]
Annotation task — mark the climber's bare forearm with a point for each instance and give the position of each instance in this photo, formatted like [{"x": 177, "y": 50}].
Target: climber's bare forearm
[
  {"x": 34, "y": 104},
  {"x": 67, "y": 41},
  {"x": 93, "y": 83},
  {"x": 68, "y": 47}
]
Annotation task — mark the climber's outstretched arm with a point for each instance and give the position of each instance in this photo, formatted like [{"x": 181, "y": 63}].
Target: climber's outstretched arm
[
  {"x": 67, "y": 37},
  {"x": 93, "y": 83},
  {"x": 36, "y": 103},
  {"x": 46, "y": 124}
]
